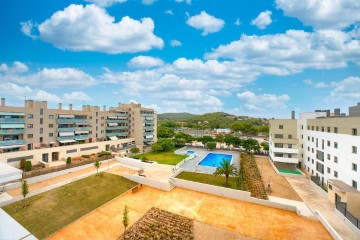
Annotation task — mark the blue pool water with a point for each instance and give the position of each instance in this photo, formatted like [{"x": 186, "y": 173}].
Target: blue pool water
[
  {"x": 189, "y": 152},
  {"x": 214, "y": 159}
]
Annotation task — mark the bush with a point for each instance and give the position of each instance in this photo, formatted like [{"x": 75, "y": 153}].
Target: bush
[
  {"x": 211, "y": 145},
  {"x": 68, "y": 160},
  {"x": 22, "y": 163},
  {"x": 86, "y": 156},
  {"x": 28, "y": 166},
  {"x": 104, "y": 153}
]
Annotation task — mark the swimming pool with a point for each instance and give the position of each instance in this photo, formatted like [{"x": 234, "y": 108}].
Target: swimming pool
[
  {"x": 189, "y": 152},
  {"x": 214, "y": 159}
]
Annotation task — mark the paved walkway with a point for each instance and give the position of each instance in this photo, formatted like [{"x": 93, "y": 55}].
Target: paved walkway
[
  {"x": 247, "y": 219},
  {"x": 316, "y": 199}
]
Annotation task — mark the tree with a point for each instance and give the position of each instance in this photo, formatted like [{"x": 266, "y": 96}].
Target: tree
[
  {"x": 28, "y": 166},
  {"x": 24, "y": 189},
  {"x": 219, "y": 138},
  {"x": 165, "y": 132},
  {"x": 206, "y": 139},
  {"x": 68, "y": 160},
  {"x": 245, "y": 127},
  {"x": 250, "y": 144},
  {"x": 135, "y": 150},
  {"x": 227, "y": 169},
  {"x": 179, "y": 142},
  {"x": 265, "y": 146},
  {"x": 237, "y": 141},
  {"x": 22, "y": 163},
  {"x": 211, "y": 145},
  {"x": 229, "y": 139},
  {"x": 97, "y": 165},
  {"x": 156, "y": 147},
  {"x": 126, "y": 217},
  {"x": 170, "y": 124},
  {"x": 166, "y": 144}
]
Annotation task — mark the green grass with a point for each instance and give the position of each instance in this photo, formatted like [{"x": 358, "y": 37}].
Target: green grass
[
  {"x": 289, "y": 171},
  {"x": 208, "y": 179},
  {"x": 52, "y": 210},
  {"x": 164, "y": 157}
]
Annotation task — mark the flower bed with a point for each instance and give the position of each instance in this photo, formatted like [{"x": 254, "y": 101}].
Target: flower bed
[{"x": 160, "y": 224}]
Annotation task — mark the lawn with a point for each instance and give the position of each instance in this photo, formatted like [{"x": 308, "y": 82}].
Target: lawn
[
  {"x": 164, "y": 157},
  {"x": 208, "y": 179},
  {"x": 52, "y": 210},
  {"x": 289, "y": 171}
]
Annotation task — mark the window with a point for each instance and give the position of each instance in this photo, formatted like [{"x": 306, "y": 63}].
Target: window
[
  {"x": 290, "y": 136},
  {"x": 354, "y": 184},
  {"x": 335, "y": 130},
  {"x": 335, "y": 174},
  {"x": 302, "y": 136},
  {"x": 279, "y": 145},
  {"x": 51, "y": 116},
  {"x": 330, "y": 186},
  {"x": 317, "y": 128},
  {"x": 30, "y": 116},
  {"x": 51, "y": 125},
  {"x": 102, "y": 131},
  {"x": 335, "y": 145},
  {"x": 97, "y": 114},
  {"x": 328, "y": 129},
  {"x": 354, "y": 131},
  {"x": 312, "y": 150},
  {"x": 323, "y": 129},
  {"x": 90, "y": 117},
  {"x": 312, "y": 139},
  {"x": 328, "y": 156},
  {"x": 308, "y": 148},
  {"x": 41, "y": 130},
  {"x": 41, "y": 120},
  {"x": 41, "y": 111},
  {"x": 335, "y": 159},
  {"x": 308, "y": 159},
  {"x": 102, "y": 124},
  {"x": 312, "y": 161},
  {"x": 290, "y": 146},
  {"x": 30, "y": 135},
  {"x": 279, "y": 136},
  {"x": 96, "y": 128},
  {"x": 97, "y": 121},
  {"x": 312, "y": 128},
  {"x": 354, "y": 167},
  {"x": 302, "y": 126},
  {"x": 51, "y": 134},
  {"x": 328, "y": 170},
  {"x": 354, "y": 149},
  {"x": 328, "y": 143},
  {"x": 41, "y": 139},
  {"x": 308, "y": 127},
  {"x": 281, "y": 126},
  {"x": 308, "y": 138},
  {"x": 30, "y": 126},
  {"x": 102, "y": 118}
]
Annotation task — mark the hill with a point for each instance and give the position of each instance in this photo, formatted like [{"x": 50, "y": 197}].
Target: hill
[{"x": 174, "y": 116}]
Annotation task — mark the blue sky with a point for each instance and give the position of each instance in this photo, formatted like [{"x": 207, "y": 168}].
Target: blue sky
[{"x": 258, "y": 58}]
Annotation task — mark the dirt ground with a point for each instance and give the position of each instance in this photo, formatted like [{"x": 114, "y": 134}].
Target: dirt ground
[
  {"x": 36, "y": 186},
  {"x": 279, "y": 185},
  {"x": 246, "y": 219}
]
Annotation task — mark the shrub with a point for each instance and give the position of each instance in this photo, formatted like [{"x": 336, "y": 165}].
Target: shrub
[
  {"x": 86, "y": 156},
  {"x": 211, "y": 145},
  {"x": 68, "y": 160},
  {"x": 28, "y": 166},
  {"x": 22, "y": 163},
  {"x": 104, "y": 153}
]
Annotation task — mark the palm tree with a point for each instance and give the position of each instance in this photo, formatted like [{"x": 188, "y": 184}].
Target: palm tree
[{"x": 226, "y": 169}]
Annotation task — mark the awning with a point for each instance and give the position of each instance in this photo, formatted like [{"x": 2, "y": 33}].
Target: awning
[
  {"x": 112, "y": 124},
  {"x": 149, "y": 136},
  {"x": 65, "y": 134},
  {"x": 122, "y": 118},
  {"x": 113, "y": 138},
  {"x": 52, "y": 142},
  {"x": 12, "y": 146},
  {"x": 66, "y": 116},
  {"x": 83, "y": 123},
  {"x": 12, "y": 125},
  {"x": 12, "y": 113},
  {"x": 112, "y": 117},
  {"x": 81, "y": 132},
  {"x": 67, "y": 141},
  {"x": 149, "y": 118}
]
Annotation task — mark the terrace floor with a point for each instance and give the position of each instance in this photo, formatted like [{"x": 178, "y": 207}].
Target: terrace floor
[{"x": 246, "y": 219}]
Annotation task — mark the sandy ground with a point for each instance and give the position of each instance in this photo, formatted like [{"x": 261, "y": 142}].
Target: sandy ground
[
  {"x": 246, "y": 219},
  {"x": 36, "y": 186},
  {"x": 280, "y": 187}
]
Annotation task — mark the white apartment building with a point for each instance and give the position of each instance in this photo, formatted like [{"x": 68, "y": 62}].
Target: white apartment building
[{"x": 327, "y": 145}]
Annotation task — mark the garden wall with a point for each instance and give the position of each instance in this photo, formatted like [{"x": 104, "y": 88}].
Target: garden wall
[
  {"x": 286, "y": 174},
  {"x": 162, "y": 185},
  {"x": 134, "y": 162},
  {"x": 327, "y": 225}
]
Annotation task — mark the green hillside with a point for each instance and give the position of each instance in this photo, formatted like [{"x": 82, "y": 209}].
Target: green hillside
[{"x": 174, "y": 116}]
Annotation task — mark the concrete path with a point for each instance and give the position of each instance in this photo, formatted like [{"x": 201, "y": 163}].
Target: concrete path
[{"x": 317, "y": 199}]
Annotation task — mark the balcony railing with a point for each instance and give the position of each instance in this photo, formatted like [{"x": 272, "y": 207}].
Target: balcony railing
[
  {"x": 72, "y": 120},
  {"x": 147, "y": 114},
  {"x": 12, "y": 131},
  {"x": 76, "y": 137},
  {"x": 116, "y": 127},
  {"x": 12, "y": 142},
  {"x": 121, "y": 134},
  {"x": 149, "y": 121},
  {"x": 121, "y": 114},
  {"x": 148, "y": 127},
  {"x": 73, "y": 129},
  {"x": 148, "y": 139},
  {"x": 342, "y": 207},
  {"x": 148, "y": 133},
  {"x": 116, "y": 121},
  {"x": 12, "y": 120}
]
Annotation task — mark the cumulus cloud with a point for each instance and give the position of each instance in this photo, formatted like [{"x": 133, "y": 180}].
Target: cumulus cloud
[
  {"x": 147, "y": 2},
  {"x": 76, "y": 97},
  {"x": 347, "y": 89},
  {"x": 317, "y": 84},
  {"x": 263, "y": 20},
  {"x": 187, "y": 1},
  {"x": 17, "y": 67},
  {"x": 206, "y": 23},
  {"x": 293, "y": 51},
  {"x": 13, "y": 89},
  {"x": 91, "y": 28},
  {"x": 105, "y": 3},
  {"x": 175, "y": 43},
  {"x": 145, "y": 62},
  {"x": 169, "y": 12},
  {"x": 42, "y": 95},
  {"x": 322, "y": 14},
  {"x": 237, "y": 22},
  {"x": 264, "y": 101}
]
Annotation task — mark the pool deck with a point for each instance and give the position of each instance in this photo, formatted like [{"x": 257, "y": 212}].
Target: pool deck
[{"x": 192, "y": 165}]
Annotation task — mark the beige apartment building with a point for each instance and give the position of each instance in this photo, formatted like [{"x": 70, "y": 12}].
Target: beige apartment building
[{"x": 35, "y": 126}]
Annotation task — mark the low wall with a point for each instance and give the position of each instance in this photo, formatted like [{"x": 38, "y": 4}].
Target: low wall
[
  {"x": 229, "y": 193},
  {"x": 347, "y": 222},
  {"x": 134, "y": 162},
  {"x": 327, "y": 225},
  {"x": 162, "y": 185},
  {"x": 178, "y": 151},
  {"x": 286, "y": 174}
]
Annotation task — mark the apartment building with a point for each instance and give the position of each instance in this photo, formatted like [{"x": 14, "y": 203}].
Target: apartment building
[
  {"x": 36, "y": 126},
  {"x": 325, "y": 144}
]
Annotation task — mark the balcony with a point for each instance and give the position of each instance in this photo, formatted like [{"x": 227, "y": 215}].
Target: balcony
[
  {"x": 285, "y": 159},
  {"x": 147, "y": 114},
  {"x": 286, "y": 150},
  {"x": 12, "y": 143},
  {"x": 148, "y": 139},
  {"x": 11, "y": 131},
  {"x": 73, "y": 129},
  {"x": 121, "y": 114},
  {"x": 121, "y": 134},
  {"x": 76, "y": 137},
  {"x": 116, "y": 127},
  {"x": 148, "y": 127},
  {"x": 149, "y": 121},
  {"x": 71, "y": 120},
  {"x": 116, "y": 121},
  {"x": 12, "y": 120},
  {"x": 148, "y": 133}
]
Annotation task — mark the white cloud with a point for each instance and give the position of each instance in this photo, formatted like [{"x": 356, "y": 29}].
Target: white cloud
[
  {"x": 105, "y": 3},
  {"x": 169, "y": 12},
  {"x": 187, "y": 1},
  {"x": 145, "y": 62},
  {"x": 42, "y": 95},
  {"x": 263, "y": 102},
  {"x": 147, "y": 2},
  {"x": 76, "y": 97},
  {"x": 17, "y": 67},
  {"x": 293, "y": 51},
  {"x": 221, "y": 93},
  {"x": 317, "y": 84},
  {"x": 321, "y": 14},
  {"x": 321, "y": 85},
  {"x": 237, "y": 22},
  {"x": 27, "y": 28},
  {"x": 206, "y": 23},
  {"x": 308, "y": 82},
  {"x": 175, "y": 43},
  {"x": 347, "y": 89},
  {"x": 263, "y": 20},
  {"x": 11, "y": 89},
  {"x": 91, "y": 28}
]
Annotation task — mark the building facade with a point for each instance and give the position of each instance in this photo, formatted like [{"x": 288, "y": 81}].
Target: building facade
[
  {"x": 36, "y": 126},
  {"x": 327, "y": 144}
]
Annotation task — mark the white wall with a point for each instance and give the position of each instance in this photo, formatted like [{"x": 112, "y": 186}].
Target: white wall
[{"x": 162, "y": 185}]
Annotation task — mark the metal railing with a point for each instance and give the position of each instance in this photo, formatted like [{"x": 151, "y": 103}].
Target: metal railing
[
  {"x": 13, "y": 131},
  {"x": 72, "y": 120},
  {"x": 12, "y": 120},
  {"x": 72, "y": 129},
  {"x": 342, "y": 207},
  {"x": 12, "y": 142}
]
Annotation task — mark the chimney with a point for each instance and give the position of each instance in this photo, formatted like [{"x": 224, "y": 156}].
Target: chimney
[
  {"x": 104, "y": 108},
  {"x": 292, "y": 114},
  {"x": 337, "y": 112},
  {"x": 60, "y": 106},
  {"x": 70, "y": 107},
  {"x": 3, "y": 102}
]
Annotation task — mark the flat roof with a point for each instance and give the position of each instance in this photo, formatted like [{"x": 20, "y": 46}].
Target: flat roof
[
  {"x": 6, "y": 169},
  {"x": 342, "y": 186}
]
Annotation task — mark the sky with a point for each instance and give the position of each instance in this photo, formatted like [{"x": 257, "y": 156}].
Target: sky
[{"x": 257, "y": 58}]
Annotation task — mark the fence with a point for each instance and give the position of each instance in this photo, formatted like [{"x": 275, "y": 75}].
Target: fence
[
  {"x": 316, "y": 180},
  {"x": 342, "y": 208},
  {"x": 162, "y": 185}
]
